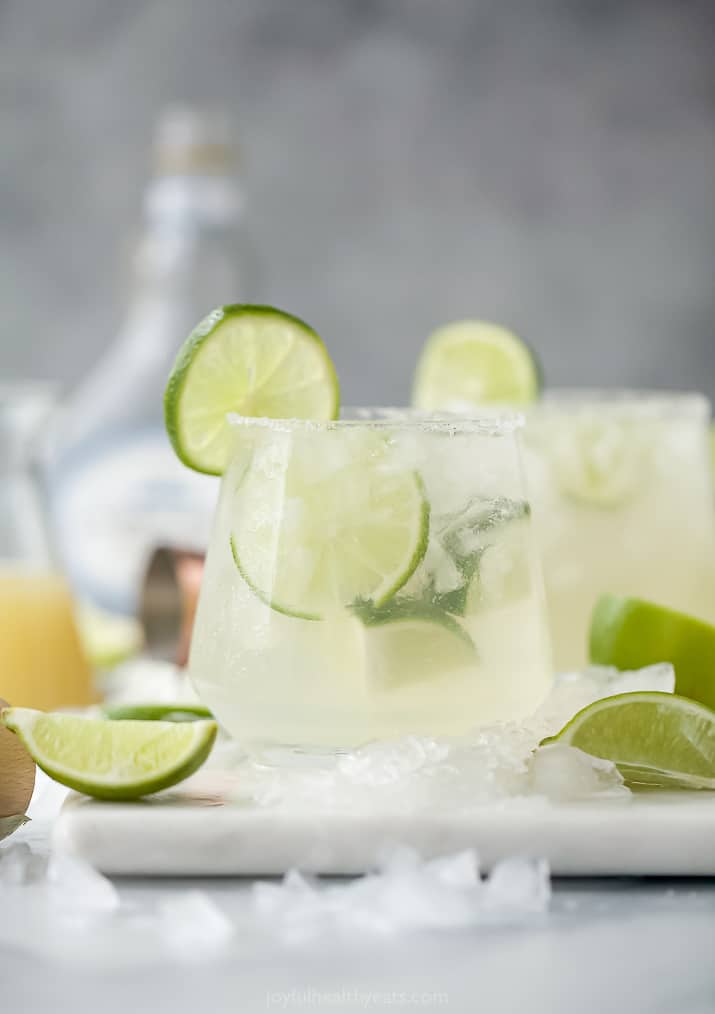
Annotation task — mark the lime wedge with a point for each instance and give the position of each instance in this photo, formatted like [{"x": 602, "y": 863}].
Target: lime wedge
[
  {"x": 654, "y": 738},
  {"x": 250, "y": 360},
  {"x": 470, "y": 363},
  {"x": 407, "y": 642},
  {"x": 161, "y": 712},
  {"x": 328, "y": 524},
  {"x": 630, "y": 634},
  {"x": 112, "y": 760}
]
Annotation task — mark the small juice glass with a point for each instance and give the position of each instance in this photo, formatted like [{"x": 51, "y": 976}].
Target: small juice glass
[
  {"x": 369, "y": 578},
  {"x": 42, "y": 664}
]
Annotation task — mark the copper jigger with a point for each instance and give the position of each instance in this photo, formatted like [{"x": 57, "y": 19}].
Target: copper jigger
[{"x": 168, "y": 599}]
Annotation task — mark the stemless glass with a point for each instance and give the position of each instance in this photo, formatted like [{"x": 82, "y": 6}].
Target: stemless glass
[
  {"x": 41, "y": 660},
  {"x": 368, "y": 578},
  {"x": 622, "y": 492}
]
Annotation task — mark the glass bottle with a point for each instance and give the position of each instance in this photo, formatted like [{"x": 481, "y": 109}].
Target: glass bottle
[{"x": 118, "y": 490}]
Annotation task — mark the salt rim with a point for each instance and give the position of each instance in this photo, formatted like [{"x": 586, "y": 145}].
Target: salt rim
[
  {"x": 500, "y": 422},
  {"x": 620, "y": 402}
]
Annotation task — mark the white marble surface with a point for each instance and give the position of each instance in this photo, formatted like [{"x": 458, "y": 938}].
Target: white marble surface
[{"x": 630, "y": 945}]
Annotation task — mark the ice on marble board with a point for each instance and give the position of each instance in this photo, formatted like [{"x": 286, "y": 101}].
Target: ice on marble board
[
  {"x": 565, "y": 774},
  {"x": 407, "y": 893}
]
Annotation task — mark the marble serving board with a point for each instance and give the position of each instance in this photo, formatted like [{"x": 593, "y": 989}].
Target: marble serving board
[{"x": 188, "y": 834}]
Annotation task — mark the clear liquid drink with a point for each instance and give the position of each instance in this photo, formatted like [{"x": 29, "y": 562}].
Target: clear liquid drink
[
  {"x": 370, "y": 578},
  {"x": 622, "y": 492}
]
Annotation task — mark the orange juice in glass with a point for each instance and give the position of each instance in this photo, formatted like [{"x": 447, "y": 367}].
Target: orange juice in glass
[{"x": 42, "y": 664}]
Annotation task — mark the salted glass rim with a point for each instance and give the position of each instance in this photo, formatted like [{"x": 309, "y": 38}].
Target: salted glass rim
[
  {"x": 633, "y": 401},
  {"x": 499, "y": 422}
]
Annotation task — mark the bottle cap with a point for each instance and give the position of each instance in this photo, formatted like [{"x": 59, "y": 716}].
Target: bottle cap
[{"x": 191, "y": 141}]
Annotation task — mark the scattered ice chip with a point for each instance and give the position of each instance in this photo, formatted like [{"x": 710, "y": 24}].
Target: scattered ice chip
[
  {"x": 407, "y": 893},
  {"x": 565, "y": 774},
  {"x": 192, "y": 925},
  {"x": 75, "y": 887},
  {"x": 518, "y": 886},
  {"x": 20, "y": 865}
]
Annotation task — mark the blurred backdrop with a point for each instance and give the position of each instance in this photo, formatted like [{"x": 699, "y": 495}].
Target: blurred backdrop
[{"x": 548, "y": 164}]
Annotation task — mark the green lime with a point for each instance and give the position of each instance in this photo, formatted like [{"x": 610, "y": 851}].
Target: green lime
[
  {"x": 471, "y": 363},
  {"x": 654, "y": 738},
  {"x": 630, "y": 633},
  {"x": 252, "y": 361},
  {"x": 162, "y": 712},
  {"x": 407, "y": 641},
  {"x": 327, "y": 524},
  {"x": 108, "y": 638},
  {"x": 112, "y": 760}
]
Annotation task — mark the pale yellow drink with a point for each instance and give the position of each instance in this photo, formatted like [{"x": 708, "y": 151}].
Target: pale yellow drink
[
  {"x": 621, "y": 487},
  {"x": 41, "y": 659},
  {"x": 287, "y": 650}
]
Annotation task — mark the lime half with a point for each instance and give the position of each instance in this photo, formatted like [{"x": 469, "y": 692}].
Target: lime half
[
  {"x": 329, "y": 523},
  {"x": 250, "y": 360},
  {"x": 112, "y": 760},
  {"x": 408, "y": 641},
  {"x": 630, "y": 633},
  {"x": 470, "y": 363},
  {"x": 654, "y": 738}
]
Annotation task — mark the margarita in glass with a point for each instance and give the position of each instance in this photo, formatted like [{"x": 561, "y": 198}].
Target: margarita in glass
[{"x": 370, "y": 577}]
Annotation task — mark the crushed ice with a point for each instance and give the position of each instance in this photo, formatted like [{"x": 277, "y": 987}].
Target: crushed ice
[
  {"x": 407, "y": 893},
  {"x": 498, "y": 763}
]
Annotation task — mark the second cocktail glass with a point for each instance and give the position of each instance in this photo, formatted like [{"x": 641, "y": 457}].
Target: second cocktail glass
[
  {"x": 622, "y": 492},
  {"x": 370, "y": 578}
]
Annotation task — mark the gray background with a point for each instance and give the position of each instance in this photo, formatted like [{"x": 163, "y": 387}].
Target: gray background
[{"x": 548, "y": 164}]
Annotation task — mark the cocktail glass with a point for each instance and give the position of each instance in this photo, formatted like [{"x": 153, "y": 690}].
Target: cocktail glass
[
  {"x": 370, "y": 578},
  {"x": 622, "y": 493}
]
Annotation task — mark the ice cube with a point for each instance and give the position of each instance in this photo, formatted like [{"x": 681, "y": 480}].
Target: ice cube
[
  {"x": 407, "y": 893},
  {"x": 518, "y": 887},
  {"x": 565, "y": 774},
  {"x": 20, "y": 865},
  {"x": 192, "y": 925},
  {"x": 75, "y": 887},
  {"x": 610, "y": 681}
]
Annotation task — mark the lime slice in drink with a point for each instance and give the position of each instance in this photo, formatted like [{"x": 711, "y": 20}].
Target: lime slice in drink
[
  {"x": 112, "y": 760},
  {"x": 597, "y": 463},
  {"x": 471, "y": 362},
  {"x": 160, "y": 712},
  {"x": 630, "y": 633},
  {"x": 252, "y": 361},
  {"x": 654, "y": 738},
  {"x": 407, "y": 642},
  {"x": 327, "y": 524}
]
